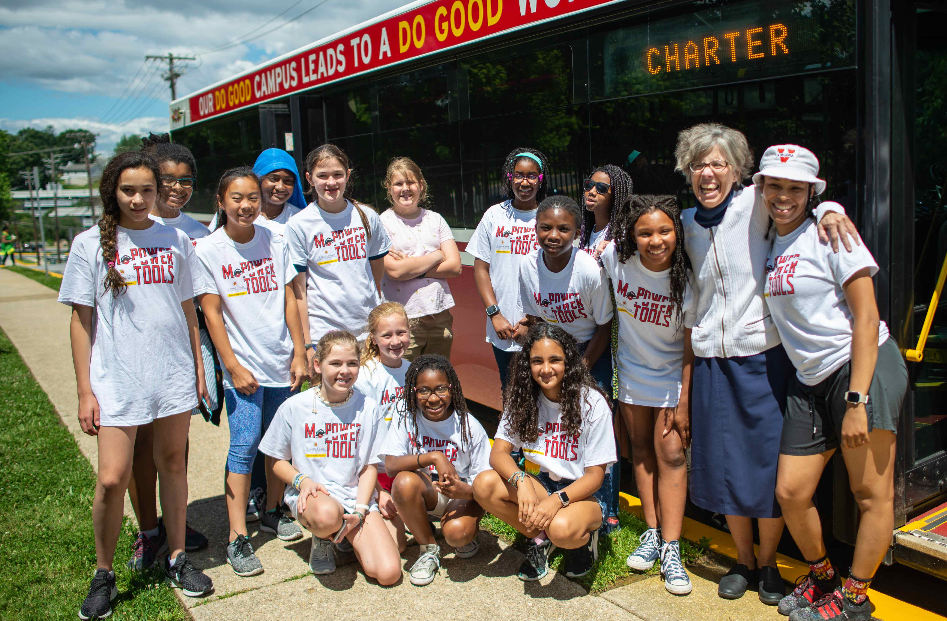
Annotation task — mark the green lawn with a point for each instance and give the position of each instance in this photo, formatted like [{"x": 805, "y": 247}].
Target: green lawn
[
  {"x": 50, "y": 281},
  {"x": 46, "y": 488}
]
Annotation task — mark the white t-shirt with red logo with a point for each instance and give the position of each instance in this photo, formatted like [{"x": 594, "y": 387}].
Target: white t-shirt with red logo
[
  {"x": 575, "y": 299},
  {"x": 183, "y": 222},
  {"x": 384, "y": 384},
  {"x": 330, "y": 444},
  {"x": 277, "y": 224},
  {"x": 334, "y": 251},
  {"x": 250, "y": 279},
  {"x": 805, "y": 295},
  {"x": 504, "y": 238},
  {"x": 561, "y": 455},
  {"x": 141, "y": 366},
  {"x": 651, "y": 340},
  {"x": 469, "y": 458}
]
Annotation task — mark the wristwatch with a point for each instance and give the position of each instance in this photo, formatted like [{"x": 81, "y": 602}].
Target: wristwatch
[
  {"x": 855, "y": 397},
  {"x": 493, "y": 310},
  {"x": 563, "y": 498}
]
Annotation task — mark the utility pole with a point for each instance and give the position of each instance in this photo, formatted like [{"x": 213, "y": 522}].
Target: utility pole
[
  {"x": 28, "y": 175},
  {"x": 52, "y": 172},
  {"x": 88, "y": 170},
  {"x": 42, "y": 231},
  {"x": 171, "y": 76}
]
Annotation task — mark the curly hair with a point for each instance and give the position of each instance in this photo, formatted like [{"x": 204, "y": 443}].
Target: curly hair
[
  {"x": 694, "y": 142},
  {"x": 111, "y": 214},
  {"x": 520, "y": 400},
  {"x": 378, "y": 313},
  {"x": 563, "y": 202},
  {"x": 626, "y": 245},
  {"x": 409, "y": 406},
  {"x": 407, "y": 168},
  {"x": 229, "y": 176},
  {"x": 329, "y": 340},
  {"x": 327, "y": 152},
  {"x": 509, "y": 164},
  {"x": 163, "y": 150},
  {"x": 621, "y": 190}
]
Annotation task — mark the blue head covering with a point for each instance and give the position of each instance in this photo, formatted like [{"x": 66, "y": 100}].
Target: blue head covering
[{"x": 278, "y": 159}]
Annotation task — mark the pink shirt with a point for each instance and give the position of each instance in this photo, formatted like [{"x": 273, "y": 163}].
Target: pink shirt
[{"x": 417, "y": 237}]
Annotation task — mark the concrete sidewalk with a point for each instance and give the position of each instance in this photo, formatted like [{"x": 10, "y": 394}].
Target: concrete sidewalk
[{"x": 484, "y": 587}]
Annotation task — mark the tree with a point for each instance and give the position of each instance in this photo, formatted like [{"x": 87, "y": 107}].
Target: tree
[
  {"x": 6, "y": 200},
  {"x": 131, "y": 142}
]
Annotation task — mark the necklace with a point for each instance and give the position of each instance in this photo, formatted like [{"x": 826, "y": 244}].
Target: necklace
[{"x": 317, "y": 394}]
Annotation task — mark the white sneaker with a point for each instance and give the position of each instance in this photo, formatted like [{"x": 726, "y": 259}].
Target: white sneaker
[
  {"x": 425, "y": 568},
  {"x": 468, "y": 550},
  {"x": 648, "y": 551},
  {"x": 676, "y": 580}
]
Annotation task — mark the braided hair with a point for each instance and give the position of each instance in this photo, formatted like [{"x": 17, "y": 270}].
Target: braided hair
[
  {"x": 111, "y": 214},
  {"x": 520, "y": 400},
  {"x": 621, "y": 190},
  {"x": 409, "y": 407},
  {"x": 563, "y": 202},
  {"x": 623, "y": 233},
  {"x": 509, "y": 164},
  {"x": 163, "y": 150}
]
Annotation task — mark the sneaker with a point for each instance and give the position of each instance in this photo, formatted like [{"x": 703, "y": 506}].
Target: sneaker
[
  {"x": 536, "y": 564},
  {"x": 580, "y": 561},
  {"x": 148, "y": 549},
  {"x": 833, "y": 606},
  {"x": 425, "y": 568},
  {"x": 676, "y": 580},
  {"x": 648, "y": 551},
  {"x": 256, "y": 504},
  {"x": 182, "y": 575},
  {"x": 241, "y": 558},
  {"x": 321, "y": 556},
  {"x": 276, "y": 522},
  {"x": 610, "y": 525},
  {"x": 468, "y": 550},
  {"x": 98, "y": 603},
  {"x": 808, "y": 590}
]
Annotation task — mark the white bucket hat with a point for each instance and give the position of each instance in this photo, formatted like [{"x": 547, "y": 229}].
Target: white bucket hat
[{"x": 790, "y": 161}]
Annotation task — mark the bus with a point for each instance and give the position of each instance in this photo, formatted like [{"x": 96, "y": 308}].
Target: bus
[{"x": 457, "y": 84}]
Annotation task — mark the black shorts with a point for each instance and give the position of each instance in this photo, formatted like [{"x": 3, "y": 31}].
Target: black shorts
[{"x": 813, "y": 421}]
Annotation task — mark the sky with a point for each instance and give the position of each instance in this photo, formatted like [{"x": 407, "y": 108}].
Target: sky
[{"x": 81, "y": 63}]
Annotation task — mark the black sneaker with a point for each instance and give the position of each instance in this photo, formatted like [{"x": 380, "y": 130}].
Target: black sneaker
[
  {"x": 98, "y": 603},
  {"x": 580, "y": 561},
  {"x": 182, "y": 575},
  {"x": 536, "y": 564},
  {"x": 809, "y": 590}
]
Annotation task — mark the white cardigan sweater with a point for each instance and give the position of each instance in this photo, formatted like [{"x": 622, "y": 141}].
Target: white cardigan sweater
[{"x": 729, "y": 262}]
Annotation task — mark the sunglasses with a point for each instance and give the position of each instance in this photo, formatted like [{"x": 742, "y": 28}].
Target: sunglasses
[{"x": 601, "y": 188}]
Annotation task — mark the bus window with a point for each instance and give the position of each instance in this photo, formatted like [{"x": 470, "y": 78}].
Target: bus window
[
  {"x": 539, "y": 79},
  {"x": 348, "y": 113},
  {"x": 416, "y": 98}
]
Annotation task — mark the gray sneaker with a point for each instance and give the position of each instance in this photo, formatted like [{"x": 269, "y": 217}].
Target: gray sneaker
[
  {"x": 255, "y": 504},
  {"x": 322, "y": 556},
  {"x": 276, "y": 522},
  {"x": 425, "y": 568},
  {"x": 241, "y": 558},
  {"x": 648, "y": 551},
  {"x": 468, "y": 550}
]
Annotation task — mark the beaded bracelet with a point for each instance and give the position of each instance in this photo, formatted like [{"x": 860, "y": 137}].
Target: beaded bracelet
[
  {"x": 298, "y": 479},
  {"x": 516, "y": 477}
]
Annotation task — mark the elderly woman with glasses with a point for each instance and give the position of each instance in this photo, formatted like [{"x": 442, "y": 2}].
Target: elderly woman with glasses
[{"x": 741, "y": 371}]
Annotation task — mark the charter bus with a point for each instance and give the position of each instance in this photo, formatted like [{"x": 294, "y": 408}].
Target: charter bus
[{"x": 457, "y": 84}]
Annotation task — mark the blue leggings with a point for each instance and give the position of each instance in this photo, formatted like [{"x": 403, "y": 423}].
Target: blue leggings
[{"x": 249, "y": 416}]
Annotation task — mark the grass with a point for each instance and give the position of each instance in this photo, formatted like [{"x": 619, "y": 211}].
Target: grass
[
  {"x": 610, "y": 569},
  {"x": 46, "y": 538},
  {"x": 50, "y": 281}
]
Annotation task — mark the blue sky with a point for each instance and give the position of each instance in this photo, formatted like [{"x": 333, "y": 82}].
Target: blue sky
[{"x": 67, "y": 63}]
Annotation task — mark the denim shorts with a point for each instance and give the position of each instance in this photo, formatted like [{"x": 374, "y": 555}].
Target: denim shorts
[
  {"x": 554, "y": 486},
  {"x": 249, "y": 416}
]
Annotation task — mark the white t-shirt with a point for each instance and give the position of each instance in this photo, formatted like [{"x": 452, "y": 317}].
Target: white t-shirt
[
  {"x": 651, "y": 341},
  {"x": 183, "y": 222},
  {"x": 141, "y": 366},
  {"x": 329, "y": 444},
  {"x": 468, "y": 458},
  {"x": 383, "y": 384},
  {"x": 575, "y": 298},
  {"x": 595, "y": 239},
  {"x": 250, "y": 279},
  {"x": 277, "y": 224},
  {"x": 565, "y": 457},
  {"x": 807, "y": 302},
  {"x": 416, "y": 237},
  {"x": 504, "y": 238},
  {"x": 333, "y": 250}
]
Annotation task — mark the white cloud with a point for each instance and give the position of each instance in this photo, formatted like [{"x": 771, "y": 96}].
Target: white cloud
[{"x": 107, "y": 133}]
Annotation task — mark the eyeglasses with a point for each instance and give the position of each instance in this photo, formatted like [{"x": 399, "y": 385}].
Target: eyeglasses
[
  {"x": 184, "y": 182},
  {"x": 601, "y": 188},
  {"x": 716, "y": 166},
  {"x": 531, "y": 177},
  {"x": 441, "y": 391}
]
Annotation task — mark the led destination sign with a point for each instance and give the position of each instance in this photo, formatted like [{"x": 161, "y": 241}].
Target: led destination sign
[{"x": 709, "y": 52}]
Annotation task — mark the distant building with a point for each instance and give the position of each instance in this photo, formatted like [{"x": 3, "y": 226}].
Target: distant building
[{"x": 74, "y": 174}]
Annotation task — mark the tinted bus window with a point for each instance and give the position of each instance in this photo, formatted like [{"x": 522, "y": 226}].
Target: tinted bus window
[
  {"x": 539, "y": 79},
  {"x": 417, "y": 98},
  {"x": 348, "y": 113}
]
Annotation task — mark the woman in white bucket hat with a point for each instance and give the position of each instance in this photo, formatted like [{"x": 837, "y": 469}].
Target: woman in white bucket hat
[{"x": 847, "y": 393}]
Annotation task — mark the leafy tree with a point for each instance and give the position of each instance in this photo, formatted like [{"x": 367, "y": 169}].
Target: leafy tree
[
  {"x": 6, "y": 201},
  {"x": 131, "y": 142}
]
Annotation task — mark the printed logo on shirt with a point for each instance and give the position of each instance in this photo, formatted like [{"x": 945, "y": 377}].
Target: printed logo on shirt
[
  {"x": 559, "y": 444},
  {"x": 780, "y": 275},
  {"x": 515, "y": 239},
  {"x": 255, "y": 276},
  {"x": 648, "y": 307},
  {"x": 146, "y": 266},
  {"x": 334, "y": 440},
  {"x": 388, "y": 397},
  {"x": 345, "y": 245},
  {"x": 561, "y": 307}
]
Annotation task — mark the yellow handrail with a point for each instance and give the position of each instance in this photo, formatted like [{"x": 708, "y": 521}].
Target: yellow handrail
[{"x": 916, "y": 355}]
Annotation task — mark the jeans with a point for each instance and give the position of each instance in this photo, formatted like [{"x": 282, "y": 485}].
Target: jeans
[
  {"x": 249, "y": 416},
  {"x": 503, "y": 359}
]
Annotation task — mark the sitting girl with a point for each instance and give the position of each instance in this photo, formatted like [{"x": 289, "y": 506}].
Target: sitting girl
[
  {"x": 436, "y": 449},
  {"x": 326, "y": 441},
  {"x": 554, "y": 410}
]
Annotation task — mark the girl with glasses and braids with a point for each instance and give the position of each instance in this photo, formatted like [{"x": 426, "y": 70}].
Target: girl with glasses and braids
[
  {"x": 606, "y": 188},
  {"x": 503, "y": 239},
  {"x": 435, "y": 449}
]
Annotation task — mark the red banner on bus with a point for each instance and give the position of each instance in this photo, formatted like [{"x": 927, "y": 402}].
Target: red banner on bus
[{"x": 433, "y": 27}]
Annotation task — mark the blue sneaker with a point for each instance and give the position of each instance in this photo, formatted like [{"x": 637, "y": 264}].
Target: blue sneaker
[{"x": 648, "y": 551}]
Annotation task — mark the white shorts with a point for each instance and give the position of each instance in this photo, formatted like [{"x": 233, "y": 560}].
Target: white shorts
[{"x": 142, "y": 412}]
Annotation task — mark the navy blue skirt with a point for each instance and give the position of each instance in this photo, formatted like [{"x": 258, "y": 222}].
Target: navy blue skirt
[{"x": 736, "y": 422}]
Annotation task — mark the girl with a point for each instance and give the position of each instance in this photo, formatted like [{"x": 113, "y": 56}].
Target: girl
[
  {"x": 553, "y": 409},
  {"x": 650, "y": 275},
  {"x": 338, "y": 247},
  {"x": 423, "y": 255},
  {"x": 130, "y": 283},
  {"x": 849, "y": 387},
  {"x": 606, "y": 188},
  {"x": 436, "y": 449},
  {"x": 505, "y": 236},
  {"x": 327, "y": 441},
  {"x": 178, "y": 174},
  {"x": 254, "y": 320}
]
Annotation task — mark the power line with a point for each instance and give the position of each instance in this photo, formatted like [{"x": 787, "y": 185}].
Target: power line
[
  {"x": 241, "y": 37},
  {"x": 171, "y": 77},
  {"x": 127, "y": 86},
  {"x": 274, "y": 29},
  {"x": 142, "y": 85},
  {"x": 144, "y": 104}
]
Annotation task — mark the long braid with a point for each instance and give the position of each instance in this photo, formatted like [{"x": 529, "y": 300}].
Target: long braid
[
  {"x": 621, "y": 189},
  {"x": 510, "y": 163}
]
